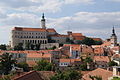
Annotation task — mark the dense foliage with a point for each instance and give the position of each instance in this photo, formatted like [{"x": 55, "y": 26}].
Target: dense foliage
[
  {"x": 112, "y": 63},
  {"x": 19, "y": 47},
  {"x": 6, "y": 63},
  {"x": 67, "y": 75},
  {"x": 116, "y": 78},
  {"x": 43, "y": 65},
  {"x": 23, "y": 65},
  {"x": 86, "y": 41},
  {"x": 2, "y": 47}
]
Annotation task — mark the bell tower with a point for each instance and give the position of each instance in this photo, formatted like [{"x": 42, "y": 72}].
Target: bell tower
[
  {"x": 43, "y": 22},
  {"x": 113, "y": 38}
]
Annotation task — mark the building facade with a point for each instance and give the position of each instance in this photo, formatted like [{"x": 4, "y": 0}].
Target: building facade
[{"x": 32, "y": 35}]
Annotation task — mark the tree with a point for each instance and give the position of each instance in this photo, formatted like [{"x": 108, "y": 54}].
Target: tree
[
  {"x": 88, "y": 60},
  {"x": 3, "y": 47},
  {"x": 112, "y": 63},
  {"x": 23, "y": 65},
  {"x": 67, "y": 75},
  {"x": 19, "y": 47},
  {"x": 98, "y": 42},
  {"x": 43, "y": 65},
  {"x": 69, "y": 41},
  {"x": 37, "y": 46},
  {"x": 27, "y": 45},
  {"x": 88, "y": 41},
  {"x": 6, "y": 63}
]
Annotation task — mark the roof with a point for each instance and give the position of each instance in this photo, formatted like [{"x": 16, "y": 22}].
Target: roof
[
  {"x": 51, "y": 30},
  {"x": 105, "y": 74},
  {"x": 32, "y": 75},
  {"x": 59, "y": 35},
  {"x": 77, "y": 34},
  {"x": 106, "y": 43},
  {"x": 99, "y": 50},
  {"x": 102, "y": 58},
  {"x": 38, "y": 55},
  {"x": 97, "y": 39},
  {"x": 29, "y": 29},
  {"x": 79, "y": 37},
  {"x": 69, "y": 60},
  {"x": 116, "y": 56}
]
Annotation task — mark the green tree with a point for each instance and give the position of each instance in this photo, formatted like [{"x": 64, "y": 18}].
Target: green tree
[
  {"x": 88, "y": 41},
  {"x": 67, "y": 75},
  {"x": 19, "y": 47},
  {"x": 88, "y": 60},
  {"x": 43, "y": 65},
  {"x": 27, "y": 45},
  {"x": 23, "y": 65},
  {"x": 37, "y": 46},
  {"x": 3, "y": 47},
  {"x": 6, "y": 63},
  {"x": 112, "y": 63},
  {"x": 98, "y": 42}
]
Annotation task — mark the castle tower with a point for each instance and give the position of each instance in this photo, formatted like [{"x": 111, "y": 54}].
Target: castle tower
[
  {"x": 43, "y": 22},
  {"x": 113, "y": 38}
]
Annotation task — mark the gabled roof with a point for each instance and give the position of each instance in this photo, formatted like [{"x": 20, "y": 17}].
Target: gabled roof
[
  {"x": 32, "y": 75},
  {"x": 105, "y": 74}
]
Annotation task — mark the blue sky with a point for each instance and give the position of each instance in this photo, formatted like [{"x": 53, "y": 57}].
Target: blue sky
[{"x": 94, "y": 18}]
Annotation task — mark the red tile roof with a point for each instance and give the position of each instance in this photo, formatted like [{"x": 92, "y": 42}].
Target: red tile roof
[
  {"x": 51, "y": 30},
  {"x": 77, "y": 34},
  {"x": 29, "y": 29},
  {"x": 105, "y": 74},
  {"x": 69, "y": 60},
  {"x": 32, "y": 75},
  {"x": 38, "y": 55},
  {"x": 101, "y": 58}
]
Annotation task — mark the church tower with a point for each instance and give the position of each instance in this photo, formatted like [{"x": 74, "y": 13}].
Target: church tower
[
  {"x": 43, "y": 22},
  {"x": 113, "y": 38}
]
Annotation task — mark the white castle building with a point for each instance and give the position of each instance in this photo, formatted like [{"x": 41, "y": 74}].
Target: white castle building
[{"x": 33, "y": 35}]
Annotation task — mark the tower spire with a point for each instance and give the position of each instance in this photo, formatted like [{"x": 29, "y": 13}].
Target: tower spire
[
  {"x": 43, "y": 22},
  {"x": 43, "y": 16},
  {"x": 113, "y": 31}
]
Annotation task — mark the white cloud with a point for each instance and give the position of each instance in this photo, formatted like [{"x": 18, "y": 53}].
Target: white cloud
[
  {"x": 78, "y": 1},
  {"x": 89, "y": 23},
  {"x": 40, "y": 5},
  {"x": 94, "y": 24},
  {"x": 21, "y": 19}
]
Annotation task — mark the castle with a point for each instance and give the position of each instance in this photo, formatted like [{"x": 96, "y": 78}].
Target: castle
[{"x": 47, "y": 37}]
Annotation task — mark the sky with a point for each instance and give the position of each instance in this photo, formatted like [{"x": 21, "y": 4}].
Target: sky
[{"x": 93, "y": 18}]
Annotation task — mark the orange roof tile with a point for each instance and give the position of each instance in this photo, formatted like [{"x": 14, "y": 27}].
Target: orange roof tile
[
  {"x": 105, "y": 74},
  {"x": 51, "y": 30},
  {"x": 97, "y": 39},
  {"x": 38, "y": 55},
  {"x": 69, "y": 60},
  {"x": 29, "y": 29},
  {"x": 101, "y": 58},
  {"x": 77, "y": 34},
  {"x": 32, "y": 75}
]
